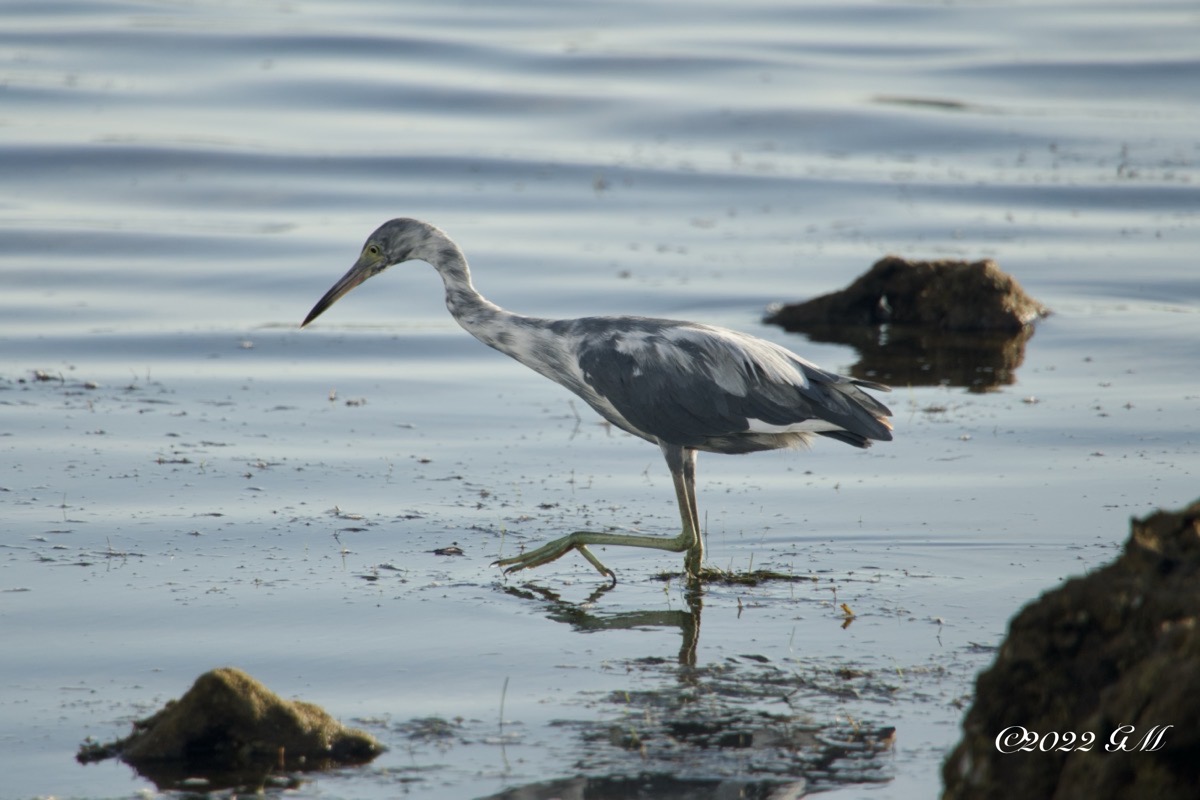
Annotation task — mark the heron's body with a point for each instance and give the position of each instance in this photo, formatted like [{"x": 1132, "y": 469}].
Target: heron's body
[{"x": 685, "y": 386}]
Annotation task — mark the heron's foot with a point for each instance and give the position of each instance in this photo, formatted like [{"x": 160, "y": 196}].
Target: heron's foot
[{"x": 555, "y": 550}]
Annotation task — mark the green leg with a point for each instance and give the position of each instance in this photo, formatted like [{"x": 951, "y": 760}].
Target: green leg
[
  {"x": 685, "y": 493},
  {"x": 682, "y": 463}
]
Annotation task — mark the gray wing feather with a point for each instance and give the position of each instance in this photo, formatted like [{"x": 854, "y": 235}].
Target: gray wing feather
[{"x": 691, "y": 384}]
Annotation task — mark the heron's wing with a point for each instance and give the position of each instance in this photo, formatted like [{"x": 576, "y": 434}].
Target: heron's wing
[{"x": 688, "y": 384}]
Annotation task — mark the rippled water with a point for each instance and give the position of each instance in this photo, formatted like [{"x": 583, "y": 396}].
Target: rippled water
[{"x": 191, "y": 481}]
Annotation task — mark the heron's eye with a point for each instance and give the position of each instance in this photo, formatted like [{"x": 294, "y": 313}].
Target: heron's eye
[{"x": 372, "y": 249}]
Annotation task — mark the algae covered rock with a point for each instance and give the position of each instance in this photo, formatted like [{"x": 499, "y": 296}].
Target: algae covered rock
[
  {"x": 924, "y": 323},
  {"x": 227, "y": 724},
  {"x": 939, "y": 295},
  {"x": 1095, "y": 692}
]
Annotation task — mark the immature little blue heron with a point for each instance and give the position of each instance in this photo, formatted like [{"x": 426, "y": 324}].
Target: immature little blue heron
[{"x": 681, "y": 385}]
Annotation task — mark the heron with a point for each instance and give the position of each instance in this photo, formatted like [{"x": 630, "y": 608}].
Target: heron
[{"x": 684, "y": 386}]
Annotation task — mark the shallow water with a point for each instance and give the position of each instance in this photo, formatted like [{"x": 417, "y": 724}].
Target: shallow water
[{"x": 193, "y": 482}]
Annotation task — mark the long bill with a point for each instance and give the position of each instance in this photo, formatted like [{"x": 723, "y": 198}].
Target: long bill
[{"x": 357, "y": 274}]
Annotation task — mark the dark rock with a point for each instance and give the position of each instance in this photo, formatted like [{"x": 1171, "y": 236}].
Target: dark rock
[
  {"x": 1114, "y": 655},
  {"x": 939, "y": 295},
  {"x": 924, "y": 323},
  {"x": 229, "y": 725}
]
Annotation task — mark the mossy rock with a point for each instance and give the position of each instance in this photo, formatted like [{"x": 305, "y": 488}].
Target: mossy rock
[
  {"x": 227, "y": 723},
  {"x": 937, "y": 295},
  {"x": 1118, "y": 647}
]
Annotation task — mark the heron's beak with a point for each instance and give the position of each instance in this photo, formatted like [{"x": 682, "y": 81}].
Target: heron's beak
[{"x": 363, "y": 269}]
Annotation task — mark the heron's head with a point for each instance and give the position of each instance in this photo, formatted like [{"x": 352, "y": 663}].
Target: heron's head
[{"x": 394, "y": 242}]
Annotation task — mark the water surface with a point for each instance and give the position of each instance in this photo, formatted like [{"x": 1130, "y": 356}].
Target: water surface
[{"x": 192, "y": 481}]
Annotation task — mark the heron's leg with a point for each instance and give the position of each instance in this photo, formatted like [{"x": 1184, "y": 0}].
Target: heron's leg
[
  {"x": 685, "y": 493},
  {"x": 682, "y": 463}
]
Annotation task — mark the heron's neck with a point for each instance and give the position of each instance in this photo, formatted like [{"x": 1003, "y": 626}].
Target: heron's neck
[{"x": 479, "y": 316}]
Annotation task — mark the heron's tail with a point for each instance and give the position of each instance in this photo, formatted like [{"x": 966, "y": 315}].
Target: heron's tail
[
  {"x": 866, "y": 418},
  {"x": 856, "y": 439}
]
